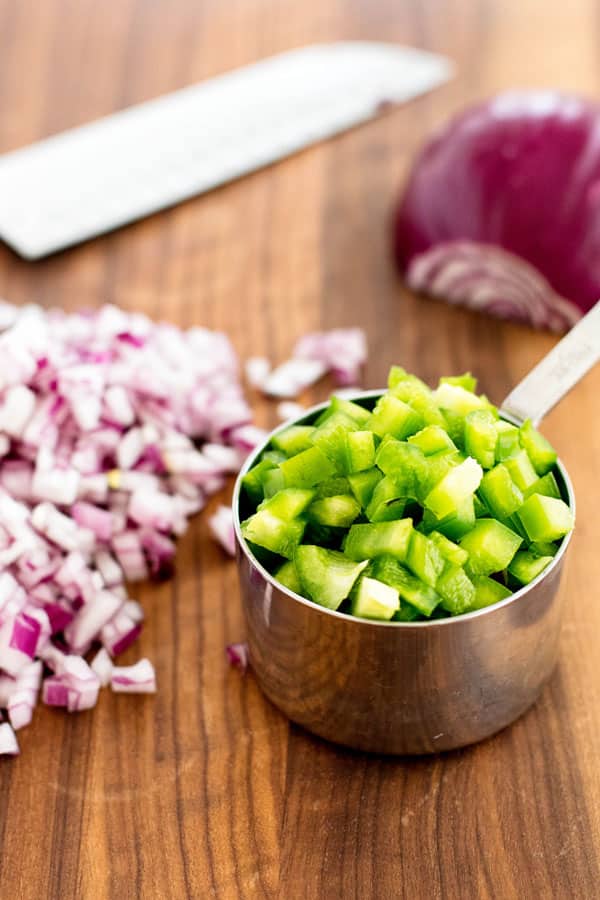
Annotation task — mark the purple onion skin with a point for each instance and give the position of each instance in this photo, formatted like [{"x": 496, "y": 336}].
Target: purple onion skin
[{"x": 521, "y": 171}]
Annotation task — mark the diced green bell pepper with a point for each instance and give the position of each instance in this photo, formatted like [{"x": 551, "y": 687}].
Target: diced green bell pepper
[
  {"x": 455, "y": 589},
  {"x": 253, "y": 480},
  {"x": 491, "y": 546},
  {"x": 458, "y": 485},
  {"x": 372, "y": 599},
  {"x": 327, "y": 577},
  {"x": 424, "y": 559},
  {"x": 331, "y": 437},
  {"x": 307, "y": 468},
  {"x": 507, "y": 443},
  {"x": 481, "y": 437},
  {"x": 372, "y": 539},
  {"x": 540, "y": 451},
  {"x": 432, "y": 439},
  {"x": 526, "y": 566},
  {"x": 451, "y": 552},
  {"x": 401, "y": 383},
  {"x": 466, "y": 381},
  {"x": 419, "y": 595},
  {"x": 362, "y": 485},
  {"x": 294, "y": 439},
  {"x": 339, "y": 484},
  {"x": 273, "y": 533},
  {"x": 273, "y": 482},
  {"x": 406, "y": 464},
  {"x": 387, "y": 501},
  {"x": 520, "y": 470},
  {"x": 352, "y": 410},
  {"x": 546, "y": 485},
  {"x": 499, "y": 492},
  {"x": 406, "y": 613},
  {"x": 460, "y": 401},
  {"x": 288, "y": 503},
  {"x": 394, "y": 417},
  {"x": 453, "y": 527},
  {"x": 360, "y": 451},
  {"x": 487, "y": 591},
  {"x": 338, "y": 511},
  {"x": 543, "y": 548},
  {"x": 288, "y": 576},
  {"x": 545, "y": 518}
]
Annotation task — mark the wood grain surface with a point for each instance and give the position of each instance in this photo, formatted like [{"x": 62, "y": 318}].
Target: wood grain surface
[{"x": 205, "y": 790}]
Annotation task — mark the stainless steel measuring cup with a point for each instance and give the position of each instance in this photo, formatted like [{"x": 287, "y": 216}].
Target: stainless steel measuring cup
[{"x": 422, "y": 687}]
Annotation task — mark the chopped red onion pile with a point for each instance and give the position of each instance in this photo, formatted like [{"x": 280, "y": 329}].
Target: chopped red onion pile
[
  {"x": 113, "y": 431},
  {"x": 237, "y": 655}
]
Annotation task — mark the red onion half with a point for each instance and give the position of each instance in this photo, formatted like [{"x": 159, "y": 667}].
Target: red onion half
[{"x": 501, "y": 211}]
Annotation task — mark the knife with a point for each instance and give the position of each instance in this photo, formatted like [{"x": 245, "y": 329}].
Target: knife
[{"x": 92, "y": 179}]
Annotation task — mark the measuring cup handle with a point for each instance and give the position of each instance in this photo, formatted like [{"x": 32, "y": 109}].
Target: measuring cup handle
[{"x": 557, "y": 372}]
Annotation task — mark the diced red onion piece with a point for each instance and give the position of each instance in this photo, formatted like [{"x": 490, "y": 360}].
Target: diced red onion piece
[
  {"x": 137, "y": 679},
  {"x": 287, "y": 409},
  {"x": 292, "y": 377},
  {"x": 237, "y": 654},
  {"x": 343, "y": 352},
  {"x": 102, "y": 666},
  {"x": 257, "y": 369},
  {"x": 8, "y": 740},
  {"x": 221, "y": 528}
]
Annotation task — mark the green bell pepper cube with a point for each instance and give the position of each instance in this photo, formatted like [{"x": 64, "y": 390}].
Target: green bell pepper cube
[
  {"x": 455, "y": 589},
  {"x": 499, "y": 492},
  {"x": 546, "y": 485},
  {"x": 453, "y": 527},
  {"x": 520, "y": 470},
  {"x": 287, "y": 575},
  {"x": 397, "y": 377},
  {"x": 338, "y": 512},
  {"x": 273, "y": 533},
  {"x": 545, "y": 518},
  {"x": 273, "y": 482},
  {"x": 372, "y": 539},
  {"x": 488, "y": 591},
  {"x": 253, "y": 481},
  {"x": 294, "y": 439},
  {"x": 432, "y": 439},
  {"x": 352, "y": 410},
  {"x": 481, "y": 437},
  {"x": 458, "y": 485},
  {"x": 491, "y": 546},
  {"x": 451, "y": 552},
  {"x": 326, "y": 576},
  {"x": 330, "y": 437},
  {"x": 419, "y": 595},
  {"x": 288, "y": 503},
  {"x": 543, "y": 548},
  {"x": 460, "y": 401},
  {"x": 406, "y": 464},
  {"x": 481, "y": 510},
  {"x": 466, "y": 381},
  {"x": 540, "y": 451},
  {"x": 526, "y": 566},
  {"x": 507, "y": 443},
  {"x": 393, "y": 416},
  {"x": 372, "y": 599},
  {"x": 360, "y": 451},
  {"x": 424, "y": 405},
  {"x": 424, "y": 559},
  {"x": 387, "y": 501},
  {"x": 362, "y": 485},
  {"x": 307, "y": 468},
  {"x": 406, "y": 613},
  {"x": 332, "y": 487}
]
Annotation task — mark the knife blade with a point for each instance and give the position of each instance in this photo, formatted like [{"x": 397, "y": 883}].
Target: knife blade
[{"x": 94, "y": 178}]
